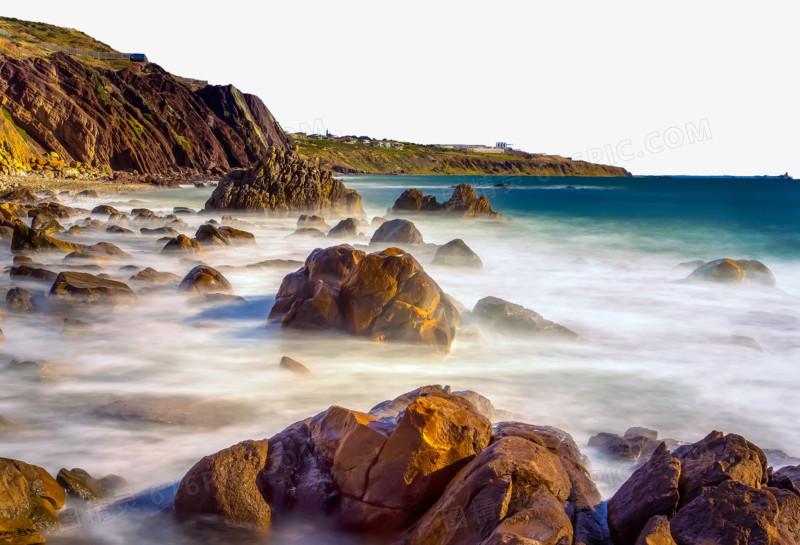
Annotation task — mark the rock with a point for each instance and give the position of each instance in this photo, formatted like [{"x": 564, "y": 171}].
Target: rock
[
  {"x": 88, "y": 194},
  {"x": 464, "y": 203},
  {"x": 398, "y": 231},
  {"x": 511, "y": 493},
  {"x": 204, "y": 280},
  {"x": 84, "y": 288},
  {"x": 730, "y": 513},
  {"x": 29, "y": 500},
  {"x": 237, "y": 236},
  {"x": 636, "y": 432},
  {"x": 45, "y": 221},
  {"x": 152, "y": 276},
  {"x": 78, "y": 483},
  {"x": 344, "y": 229},
  {"x": 294, "y": 367},
  {"x": 26, "y": 240},
  {"x": 508, "y": 317},
  {"x": 690, "y": 264},
  {"x": 384, "y": 296},
  {"x": 184, "y": 245},
  {"x": 627, "y": 449},
  {"x": 457, "y": 254},
  {"x": 308, "y": 232},
  {"x": 377, "y": 221},
  {"x": 788, "y": 478},
  {"x": 118, "y": 230},
  {"x": 22, "y": 195},
  {"x": 75, "y": 328},
  {"x": 757, "y": 272},
  {"x": 482, "y": 404},
  {"x": 22, "y": 259},
  {"x": 102, "y": 251},
  {"x": 183, "y": 211},
  {"x": 312, "y": 222},
  {"x": 208, "y": 235},
  {"x": 35, "y": 371},
  {"x": 104, "y": 210},
  {"x": 393, "y": 407},
  {"x": 19, "y": 300},
  {"x": 224, "y": 485},
  {"x": 160, "y": 231},
  {"x": 651, "y": 491},
  {"x": 34, "y": 273},
  {"x": 284, "y": 182},
  {"x": 175, "y": 410},
  {"x": 730, "y": 271},
  {"x": 656, "y": 532},
  {"x": 718, "y": 458}
]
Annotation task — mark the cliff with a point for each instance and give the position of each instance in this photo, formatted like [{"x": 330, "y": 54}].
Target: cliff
[
  {"x": 359, "y": 158},
  {"x": 76, "y": 114}
]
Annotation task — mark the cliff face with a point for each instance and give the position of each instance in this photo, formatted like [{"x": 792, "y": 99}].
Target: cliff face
[{"x": 138, "y": 117}]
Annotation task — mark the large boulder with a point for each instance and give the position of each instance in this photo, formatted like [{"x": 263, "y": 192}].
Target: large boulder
[
  {"x": 456, "y": 253},
  {"x": 285, "y": 182},
  {"x": 729, "y": 271},
  {"x": 205, "y": 280},
  {"x": 208, "y": 235},
  {"x": 26, "y": 240},
  {"x": 85, "y": 288},
  {"x": 463, "y": 203},
  {"x": 29, "y": 501},
  {"x": 384, "y": 296},
  {"x": 237, "y": 236},
  {"x": 717, "y": 458},
  {"x": 503, "y": 316},
  {"x": 651, "y": 491},
  {"x": 224, "y": 485},
  {"x": 398, "y": 231}
]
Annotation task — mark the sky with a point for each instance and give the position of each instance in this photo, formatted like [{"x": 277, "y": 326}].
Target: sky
[{"x": 686, "y": 87}]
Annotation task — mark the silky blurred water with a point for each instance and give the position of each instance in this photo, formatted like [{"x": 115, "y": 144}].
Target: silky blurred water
[{"x": 655, "y": 351}]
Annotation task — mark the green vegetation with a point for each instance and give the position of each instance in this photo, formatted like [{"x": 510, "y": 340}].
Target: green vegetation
[
  {"x": 421, "y": 159},
  {"x": 182, "y": 142},
  {"x": 20, "y": 130},
  {"x": 136, "y": 126},
  {"x": 28, "y": 31}
]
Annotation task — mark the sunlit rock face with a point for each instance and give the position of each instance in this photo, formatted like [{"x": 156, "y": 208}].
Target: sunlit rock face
[
  {"x": 385, "y": 296},
  {"x": 435, "y": 472},
  {"x": 283, "y": 182}
]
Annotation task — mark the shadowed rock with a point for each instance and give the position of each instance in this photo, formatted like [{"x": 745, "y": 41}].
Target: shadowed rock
[
  {"x": 85, "y": 288},
  {"x": 284, "y": 182},
  {"x": 204, "y": 280},
  {"x": 397, "y": 231},
  {"x": 728, "y": 271},
  {"x": 457, "y": 254},
  {"x": 508, "y": 317},
  {"x": 463, "y": 203}
]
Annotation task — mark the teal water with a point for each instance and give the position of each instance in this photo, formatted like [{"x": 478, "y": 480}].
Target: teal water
[{"x": 749, "y": 216}]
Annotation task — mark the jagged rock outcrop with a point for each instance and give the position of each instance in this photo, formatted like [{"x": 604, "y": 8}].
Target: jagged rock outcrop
[
  {"x": 384, "y": 296},
  {"x": 284, "y": 182},
  {"x": 431, "y": 473},
  {"x": 718, "y": 491},
  {"x": 463, "y": 203},
  {"x": 138, "y": 118}
]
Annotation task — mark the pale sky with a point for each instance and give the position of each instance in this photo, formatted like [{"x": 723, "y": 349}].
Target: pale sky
[{"x": 685, "y": 87}]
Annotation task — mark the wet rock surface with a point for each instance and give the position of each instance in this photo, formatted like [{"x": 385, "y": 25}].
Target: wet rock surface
[
  {"x": 385, "y": 296},
  {"x": 463, "y": 203},
  {"x": 504, "y": 316}
]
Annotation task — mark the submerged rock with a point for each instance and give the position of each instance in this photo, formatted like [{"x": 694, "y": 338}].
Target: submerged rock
[
  {"x": 204, "y": 280},
  {"x": 26, "y": 240},
  {"x": 397, "y": 231},
  {"x": 78, "y": 483},
  {"x": 31, "y": 272},
  {"x": 312, "y": 222},
  {"x": 463, "y": 203},
  {"x": 85, "y": 288},
  {"x": 385, "y": 296},
  {"x": 294, "y": 366},
  {"x": 19, "y": 300},
  {"x": 457, "y": 254},
  {"x": 508, "y": 317},
  {"x": 101, "y": 251},
  {"x": 237, "y": 236},
  {"x": 152, "y": 276},
  {"x": 208, "y": 235},
  {"x": 284, "y": 182},
  {"x": 636, "y": 444},
  {"x": 734, "y": 272},
  {"x": 347, "y": 228}
]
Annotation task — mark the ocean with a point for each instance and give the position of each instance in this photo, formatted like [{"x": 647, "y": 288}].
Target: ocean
[{"x": 598, "y": 255}]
